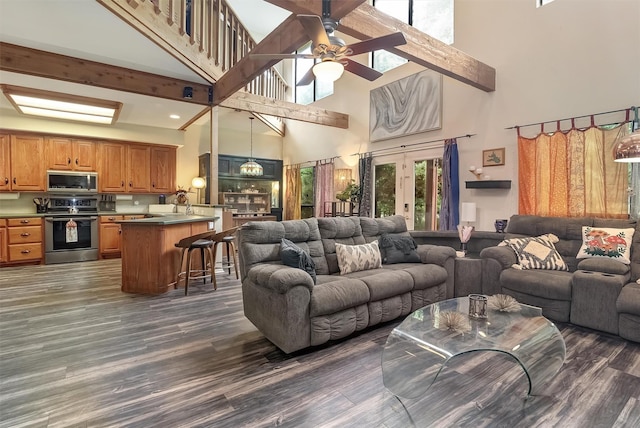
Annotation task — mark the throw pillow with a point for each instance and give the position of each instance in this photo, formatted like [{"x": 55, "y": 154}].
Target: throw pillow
[
  {"x": 354, "y": 258},
  {"x": 606, "y": 242},
  {"x": 536, "y": 252},
  {"x": 294, "y": 256},
  {"x": 398, "y": 249}
]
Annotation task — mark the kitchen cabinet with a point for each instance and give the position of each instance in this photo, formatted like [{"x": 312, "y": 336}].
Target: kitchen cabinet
[
  {"x": 112, "y": 173},
  {"x": 27, "y": 160},
  {"x": 24, "y": 237},
  {"x": 3, "y": 240},
  {"x": 5, "y": 162},
  {"x": 229, "y": 166},
  {"x": 139, "y": 168},
  {"x": 163, "y": 170},
  {"x": 111, "y": 234},
  {"x": 69, "y": 154}
]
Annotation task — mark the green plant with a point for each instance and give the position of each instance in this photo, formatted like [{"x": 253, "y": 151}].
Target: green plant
[{"x": 350, "y": 193}]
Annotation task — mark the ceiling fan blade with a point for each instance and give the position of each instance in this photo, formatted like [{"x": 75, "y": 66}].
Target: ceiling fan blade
[
  {"x": 361, "y": 70},
  {"x": 281, "y": 56},
  {"x": 315, "y": 30},
  {"x": 307, "y": 78},
  {"x": 382, "y": 42}
]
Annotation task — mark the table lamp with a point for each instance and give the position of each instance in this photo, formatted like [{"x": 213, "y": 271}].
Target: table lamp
[
  {"x": 468, "y": 215},
  {"x": 198, "y": 183}
]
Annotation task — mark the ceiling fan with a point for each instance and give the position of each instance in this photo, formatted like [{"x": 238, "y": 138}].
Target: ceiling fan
[{"x": 332, "y": 51}]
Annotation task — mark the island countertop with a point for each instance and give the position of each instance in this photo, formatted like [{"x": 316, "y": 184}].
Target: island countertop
[{"x": 168, "y": 219}]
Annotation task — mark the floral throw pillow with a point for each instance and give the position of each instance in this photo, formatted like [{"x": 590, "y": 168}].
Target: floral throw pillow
[
  {"x": 536, "y": 253},
  {"x": 354, "y": 258},
  {"x": 606, "y": 242}
]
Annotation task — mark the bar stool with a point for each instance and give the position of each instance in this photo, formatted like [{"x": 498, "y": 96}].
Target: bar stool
[
  {"x": 203, "y": 242},
  {"x": 226, "y": 237}
]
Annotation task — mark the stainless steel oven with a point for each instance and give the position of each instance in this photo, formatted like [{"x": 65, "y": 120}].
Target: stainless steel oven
[{"x": 71, "y": 229}]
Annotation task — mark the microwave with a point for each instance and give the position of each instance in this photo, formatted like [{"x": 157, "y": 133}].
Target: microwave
[{"x": 72, "y": 182}]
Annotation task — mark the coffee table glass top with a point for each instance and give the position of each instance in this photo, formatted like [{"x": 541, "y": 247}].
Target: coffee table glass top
[{"x": 419, "y": 348}]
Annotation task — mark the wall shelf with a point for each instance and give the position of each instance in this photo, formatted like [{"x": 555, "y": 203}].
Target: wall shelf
[{"x": 489, "y": 184}]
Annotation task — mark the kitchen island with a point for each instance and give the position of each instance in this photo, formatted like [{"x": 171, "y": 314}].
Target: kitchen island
[{"x": 150, "y": 260}]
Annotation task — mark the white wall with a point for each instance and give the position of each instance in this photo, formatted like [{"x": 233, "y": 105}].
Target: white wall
[{"x": 568, "y": 58}]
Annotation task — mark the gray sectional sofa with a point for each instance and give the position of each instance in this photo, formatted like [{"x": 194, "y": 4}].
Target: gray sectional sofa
[
  {"x": 599, "y": 293},
  {"x": 294, "y": 313}
]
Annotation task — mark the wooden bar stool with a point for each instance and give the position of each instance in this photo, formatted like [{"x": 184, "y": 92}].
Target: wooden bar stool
[
  {"x": 203, "y": 242},
  {"x": 226, "y": 237}
]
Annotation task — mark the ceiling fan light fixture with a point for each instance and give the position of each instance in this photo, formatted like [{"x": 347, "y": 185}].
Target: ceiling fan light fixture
[
  {"x": 628, "y": 148},
  {"x": 328, "y": 70},
  {"x": 251, "y": 168}
]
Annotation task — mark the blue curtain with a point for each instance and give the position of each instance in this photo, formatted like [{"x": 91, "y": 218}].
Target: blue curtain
[{"x": 449, "y": 215}]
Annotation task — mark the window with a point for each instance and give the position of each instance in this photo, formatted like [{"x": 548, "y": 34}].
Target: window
[
  {"x": 308, "y": 197},
  {"x": 433, "y": 17},
  {"x": 314, "y": 91}
]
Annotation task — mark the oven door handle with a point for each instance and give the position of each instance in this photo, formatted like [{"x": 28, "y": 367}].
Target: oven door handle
[{"x": 54, "y": 219}]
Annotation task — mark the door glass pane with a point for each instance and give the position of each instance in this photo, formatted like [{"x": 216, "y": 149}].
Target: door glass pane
[
  {"x": 385, "y": 190},
  {"x": 427, "y": 197},
  {"x": 307, "y": 198}
]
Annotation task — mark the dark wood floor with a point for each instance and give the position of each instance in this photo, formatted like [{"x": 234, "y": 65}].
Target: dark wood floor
[{"x": 77, "y": 352}]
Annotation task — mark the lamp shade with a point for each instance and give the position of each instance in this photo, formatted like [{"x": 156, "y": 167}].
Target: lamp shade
[
  {"x": 329, "y": 71},
  {"x": 198, "y": 183},
  {"x": 468, "y": 212},
  {"x": 628, "y": 148}
]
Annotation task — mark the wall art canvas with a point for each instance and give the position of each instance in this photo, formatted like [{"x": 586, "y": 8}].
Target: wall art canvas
[{"x": 406, "y": 106}]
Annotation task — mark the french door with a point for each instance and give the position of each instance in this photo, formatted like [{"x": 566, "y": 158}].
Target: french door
[{"x": 409, "y": 184}]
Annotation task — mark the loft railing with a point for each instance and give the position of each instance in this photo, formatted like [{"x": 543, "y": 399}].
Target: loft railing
[{"x": 212, "y": 26}]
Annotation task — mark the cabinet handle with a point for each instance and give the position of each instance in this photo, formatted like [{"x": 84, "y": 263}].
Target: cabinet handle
[
  {"x": 14, "y": 180},
  {"x": 153, "y": 185},
  {"x": 112, "y": 218},
  {"x": 24, "y": 221},
  {"x": 25, "y": 234},
  {"x": 25, "y": 251},
  {"x": 131, "y": 184},
  {"x": 76, "y": 161},
  {"x": 119, "y": 231},
  {"x": 122, "y": 184},
  {"x": 6, "y": 180},
  {"x": 68, "y": 161}
]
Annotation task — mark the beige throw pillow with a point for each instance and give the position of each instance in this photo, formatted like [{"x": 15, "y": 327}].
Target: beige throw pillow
[
  {"x": 536, "y": 253},
  {"x": 606, "y": 242},
  {"x": 354, "y": 258}
]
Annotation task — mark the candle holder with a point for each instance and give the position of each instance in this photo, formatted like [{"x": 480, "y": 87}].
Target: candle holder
[{"x": 478, "y": 306}]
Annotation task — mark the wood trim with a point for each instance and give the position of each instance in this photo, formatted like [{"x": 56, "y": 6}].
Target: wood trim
[{"x": 19, "y": 59}]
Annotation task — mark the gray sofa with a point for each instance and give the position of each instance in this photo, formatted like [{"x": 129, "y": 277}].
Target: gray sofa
[
  {"x": 598, "y": 293},
  {"x": 293, "y": 313}
]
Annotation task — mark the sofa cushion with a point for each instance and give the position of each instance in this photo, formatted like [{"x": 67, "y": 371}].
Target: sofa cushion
[
  {"x": 605, "y": 265},
  {"x": 354, "y": 258},
  {"x": 333, "y": 294},
  {"x": 606, "y": 242},
  {"x": 341, "y": 230},
  {"x": 549, "y": 284},
  {"x": 385, "y": 283},
  {"x": 536, "y": 253},
  {"x": 296, "y": 257},
  {"x": 629, "y": 299},
  {"x": 424, "y": 275},
  {"x": 396, "y": 248}
]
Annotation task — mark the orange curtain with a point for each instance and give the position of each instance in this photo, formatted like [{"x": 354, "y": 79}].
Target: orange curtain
[
  {"x": 572, "y": 174},
  {"x": 293, "y": 192}
]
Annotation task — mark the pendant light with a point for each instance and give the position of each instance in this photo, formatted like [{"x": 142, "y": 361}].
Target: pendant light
[
  {"x": 628, "y": 148},
  {"x": 251, "y": 167}
]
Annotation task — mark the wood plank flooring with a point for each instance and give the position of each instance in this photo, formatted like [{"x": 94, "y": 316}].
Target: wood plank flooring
[{"x": 77, "y": 352}]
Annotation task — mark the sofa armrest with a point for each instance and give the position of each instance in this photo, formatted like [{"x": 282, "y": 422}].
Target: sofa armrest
[
  {"x": 441, "y": 256},
  {"x": 604, "y": 265},
  {"x": 494, "y": 261},
  {"x": 505, "y": 256},
  {"x": 279, "y": 278}
]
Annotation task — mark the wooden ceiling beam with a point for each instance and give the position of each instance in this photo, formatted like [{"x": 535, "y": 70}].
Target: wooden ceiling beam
[
  {"x": 19, "y": 59},
  {"x": 257, "y": 104}
]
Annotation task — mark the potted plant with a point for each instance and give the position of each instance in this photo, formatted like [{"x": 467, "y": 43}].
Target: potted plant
[{"x": 350, "y": 193}]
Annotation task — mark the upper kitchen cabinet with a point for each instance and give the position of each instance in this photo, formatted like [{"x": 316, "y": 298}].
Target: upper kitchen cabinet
[
  {"x": 5, "y": 162},
  {"x": 139, "y": 168},
  {"x": 163, "y": 169},
  {"x": 112, "y": 171},
  {"x": 71, "y": 154},
  {"x": 28, "y": 167}
]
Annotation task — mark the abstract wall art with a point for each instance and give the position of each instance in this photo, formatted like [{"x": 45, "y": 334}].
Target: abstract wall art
[{"x": 406, "y": 106}]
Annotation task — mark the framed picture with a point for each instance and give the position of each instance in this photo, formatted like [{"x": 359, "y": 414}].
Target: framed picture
[
  {"x": 493, "y": 157},
  {"x": 406, "y": 106}
]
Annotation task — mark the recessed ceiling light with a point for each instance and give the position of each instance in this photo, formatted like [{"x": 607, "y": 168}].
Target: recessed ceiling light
[
  {"x": 174, "y": 116},
  {"x": 62, "y": 106}
]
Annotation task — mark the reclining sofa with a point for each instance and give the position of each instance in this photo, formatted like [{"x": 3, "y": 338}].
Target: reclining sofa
[
  {"x": 294, "y": 313},
  {"x": 595, "y": 292}
]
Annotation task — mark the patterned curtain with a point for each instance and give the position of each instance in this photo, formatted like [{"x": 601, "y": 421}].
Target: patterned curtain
[
  {"x": 366, "y": 185},
  {"x": 572, "y": 174},
  {"x": 323, "y": 186},
  {"x": 449, "y": 213},
  {"x": 293, "y": 194}
]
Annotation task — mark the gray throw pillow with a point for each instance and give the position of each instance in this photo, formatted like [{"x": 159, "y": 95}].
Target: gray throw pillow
[
  {"x": 294, "y": 256},
  {"x": 398, "y": 249}
]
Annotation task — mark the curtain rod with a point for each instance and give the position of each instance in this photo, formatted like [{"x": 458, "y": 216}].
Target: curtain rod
[
  {"x": 571, "y": 118},
  {"x": 404, "y": 146},
  {"x": 314, "y": 161}
]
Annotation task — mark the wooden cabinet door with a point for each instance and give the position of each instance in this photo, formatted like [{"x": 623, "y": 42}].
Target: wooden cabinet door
[
  {"x": 163, "y": 169},
  {"x": 84, "y": 155},
  {"x": 112, "y": 174},
  {"x": 28, "y": 163},
  {"x": 5, "y": 162},
  {"x": 59, "y": 153},
  {"x": 3, "y": 244},
  {"x": 110, "y": 239},
  {"x": 139, "y": 169}
]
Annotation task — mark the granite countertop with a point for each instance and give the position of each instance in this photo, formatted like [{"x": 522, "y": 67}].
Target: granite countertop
[
  {"x": 21, "y": 215},
  {"x": 169, "y": 219}
]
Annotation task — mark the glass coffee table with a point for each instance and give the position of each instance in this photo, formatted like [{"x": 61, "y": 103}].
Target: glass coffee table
[{"x": 420, "y": 347}]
